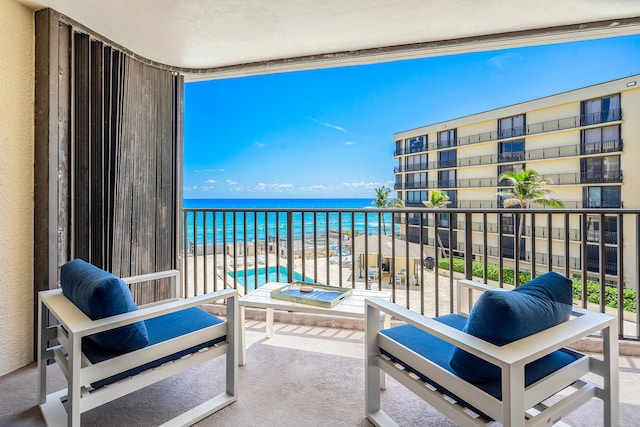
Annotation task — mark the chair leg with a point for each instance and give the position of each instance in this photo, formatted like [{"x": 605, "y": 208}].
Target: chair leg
[
  {"x": 373, "y": 373},
  {"x": 611, "y": 395}
]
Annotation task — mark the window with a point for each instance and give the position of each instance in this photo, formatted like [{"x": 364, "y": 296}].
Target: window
[
  {"x": 414, "y": 235},
  {"x": 447, "y": 159},
  {"x": 601, "y": 140},
  {"x": 610, "y": 229},
  {"x": 398, "y": 148},
  {"x": 602, "y": 197},
  {"x": 417, "y": 144},
  {"x": 447, "y": 179},
  {"x": 416, "y": 162},
  {"x": 601, "y": 110},
  {"x": 416, "y": 197},
  {"x": 509, "y": 250},
  {"x": 511, "y": 151},
  {"x": 610, "y": 262},
  {"x": 510, "y": 127},
  {"x": 416, "y": 180},
  {"x": 447, "y": 138},
  {"x": 507, "y": 224},
  {"x": 601, "y": 169}
]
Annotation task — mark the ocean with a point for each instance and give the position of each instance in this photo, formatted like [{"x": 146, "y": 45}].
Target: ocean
[
  {"x": 230, "y": 227},
  {"x": 276, "y": 203}
]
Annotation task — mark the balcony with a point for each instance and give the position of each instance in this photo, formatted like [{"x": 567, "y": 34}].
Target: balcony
[
  {"x": 542, "y": 127},
  {"x": 416, "y": 185},
  {"x": 328, "y": 352},
  {"x": 410, "y": 150},
  {"x": 447, "y": 183},
  {"x": 326, "y": 246},
  {"x": 517, "y": 156},
  {"x": 320, "y": 363},
  {"x": 411, "y": 168},
  {"x": 323, "y": 244},
  {"x": 572, "y": 150},
  {"x": 603, "y": 177}
]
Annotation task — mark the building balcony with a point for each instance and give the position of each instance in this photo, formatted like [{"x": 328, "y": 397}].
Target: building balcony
[
  {"x": 411, "y": 168},
  {"x": 572, "y": 150},
  {"x": 320, "y": 245},
  {"x": 607, "y": 204},
  {"x": 410, "y": 150},
  {"x": 322, "y": 357},
  {"x": 542, "y": 127},
  {"x": 447, "y": 183},
  {"x": 328, "y": 246},
  {"x": 411, "y": 185}
]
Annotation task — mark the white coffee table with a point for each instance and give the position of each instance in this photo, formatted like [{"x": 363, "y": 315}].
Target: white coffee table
[{"x": 261, "y": 298}]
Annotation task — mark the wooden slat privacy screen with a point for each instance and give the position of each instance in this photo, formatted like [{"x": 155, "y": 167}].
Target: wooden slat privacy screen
[{"x": 118, "y": 151}]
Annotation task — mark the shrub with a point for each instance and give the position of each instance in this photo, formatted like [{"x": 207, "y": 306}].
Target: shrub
[{"x": 593, "y": 289}]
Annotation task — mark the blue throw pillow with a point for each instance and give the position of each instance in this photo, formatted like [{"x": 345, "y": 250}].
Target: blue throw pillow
[
  {"x": 501, "y": 317},
  {"x": 100, "y": 294}
]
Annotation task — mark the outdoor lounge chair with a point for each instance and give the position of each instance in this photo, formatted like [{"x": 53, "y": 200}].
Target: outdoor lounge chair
[
  {"x": 107, "y": 347},
  {"x": 499, "y": 361}
]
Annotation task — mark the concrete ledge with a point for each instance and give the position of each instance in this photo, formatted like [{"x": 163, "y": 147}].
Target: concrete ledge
[{"x": 594, "y": 345}]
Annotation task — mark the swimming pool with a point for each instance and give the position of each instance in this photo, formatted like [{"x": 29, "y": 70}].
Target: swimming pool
[{"x": 265, "y": 276}]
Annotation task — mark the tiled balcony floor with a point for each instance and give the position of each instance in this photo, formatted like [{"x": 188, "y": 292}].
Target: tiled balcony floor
[{"x": 304, "y": 376}]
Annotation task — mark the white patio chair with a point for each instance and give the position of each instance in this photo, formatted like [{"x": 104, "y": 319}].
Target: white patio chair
[
  {"x": 499, "y": 361},
  {"x": 107, "y": 348}
]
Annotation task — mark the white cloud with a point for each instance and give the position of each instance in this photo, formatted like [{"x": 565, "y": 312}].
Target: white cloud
[
  {"x": 329, "y": 125},
  {"x": 260, "y": 144},
  {"x": 349, "y": 143},
  {"x": 211, "y": 181},
  {"x": 362, "y": 185},
  {"x": 231, "y": 182},
  {"x": 275, "y": 187},
  {"x": 505, "y": 60},
  {"x": 208, "y": 170}
]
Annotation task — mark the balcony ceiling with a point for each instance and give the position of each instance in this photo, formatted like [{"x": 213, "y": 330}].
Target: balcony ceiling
[{"x": 213, "y": 35}]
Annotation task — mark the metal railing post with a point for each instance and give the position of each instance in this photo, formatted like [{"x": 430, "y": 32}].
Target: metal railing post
[{"x": 290, "y": 251}]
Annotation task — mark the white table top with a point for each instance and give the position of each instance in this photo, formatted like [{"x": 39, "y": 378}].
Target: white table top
[{"x": 350, "y": 307}]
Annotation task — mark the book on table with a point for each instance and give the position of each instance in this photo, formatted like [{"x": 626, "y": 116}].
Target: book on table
[{"x": 312, "y": 294}]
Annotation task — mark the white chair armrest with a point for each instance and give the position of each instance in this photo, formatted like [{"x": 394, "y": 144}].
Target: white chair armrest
[
  {"x": 465, "y": 294},
  {"x": 76, "y": 322},
  {"x": 174, "y": 275},
  {"x": 472, "y": 344},
  {"x": 521, "y": 351},
  {"x": 151, "y": 276}
]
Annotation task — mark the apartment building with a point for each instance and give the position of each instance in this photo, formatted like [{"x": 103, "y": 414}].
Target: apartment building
[{"x": 586, "y": 141}]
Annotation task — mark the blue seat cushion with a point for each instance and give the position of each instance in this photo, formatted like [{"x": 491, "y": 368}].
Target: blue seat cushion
[
  {"x": 439, "y": 352},
  {"x": 100, "y": 294},
  {"x": 501, "y": 317},
  {"x": 159, "y": 329}
]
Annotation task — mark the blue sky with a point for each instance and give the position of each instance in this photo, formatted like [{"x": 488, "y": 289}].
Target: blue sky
[{"x": 329, "y": 133}]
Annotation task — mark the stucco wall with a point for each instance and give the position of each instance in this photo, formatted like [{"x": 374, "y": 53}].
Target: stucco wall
[{"x": 16, "y": 185}]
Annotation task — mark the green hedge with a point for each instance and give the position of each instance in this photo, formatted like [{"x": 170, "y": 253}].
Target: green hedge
[{"x": 593, "y": 288}]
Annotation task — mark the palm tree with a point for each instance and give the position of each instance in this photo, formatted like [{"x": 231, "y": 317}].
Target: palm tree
[
  {"x": 438, "y": 200},
  {"x": 527, "y": 187},
  {"x": 382, "y": 200}
]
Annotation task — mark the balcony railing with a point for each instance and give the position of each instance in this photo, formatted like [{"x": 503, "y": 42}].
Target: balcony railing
[
  {"x": 530, "y": 129},
  {"x": 338, "y": 247},
  {"x": 411, "y": 185},
  {"x": 412, "y": 168},
  {"x": 536, "y": 154},
  {"x": 410, "y": 150},
  {"x": 544, "y": 127}
]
